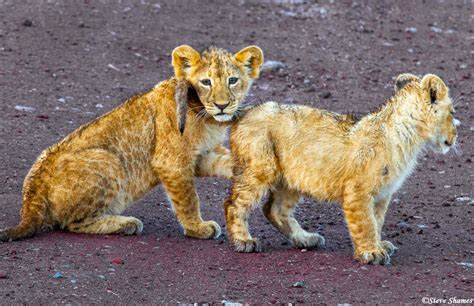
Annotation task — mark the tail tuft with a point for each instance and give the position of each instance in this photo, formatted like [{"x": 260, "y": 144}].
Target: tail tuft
[{"x": 23, "y": 230}]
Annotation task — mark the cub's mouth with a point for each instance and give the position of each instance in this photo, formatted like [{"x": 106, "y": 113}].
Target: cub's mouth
[{"x": 222, "y": 117}]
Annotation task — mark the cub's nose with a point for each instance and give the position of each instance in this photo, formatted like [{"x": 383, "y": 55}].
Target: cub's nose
[
  {"x": 221, "y": 106},
  {"x": 448, "y": 143}
]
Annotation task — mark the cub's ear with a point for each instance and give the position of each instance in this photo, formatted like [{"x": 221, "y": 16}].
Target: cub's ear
[
  {"x": 435, "y": 87},
  {"x": 183, "y": 57},
  {"x": 404, "y": 79},
  {"x": 252, "y": 58}
]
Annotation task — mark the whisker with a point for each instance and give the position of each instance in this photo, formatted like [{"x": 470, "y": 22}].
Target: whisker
[{"x": 457, "y": 149}]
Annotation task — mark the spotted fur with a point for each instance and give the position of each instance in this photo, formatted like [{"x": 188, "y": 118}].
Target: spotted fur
[{"x": 83, "y": 183}]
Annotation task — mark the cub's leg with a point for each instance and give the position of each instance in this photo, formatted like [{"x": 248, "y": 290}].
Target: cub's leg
[
  {"x": 279, "y": 211},
  {"x": 237, "y": 210},
  {"x": 217, "y": 162},
  {"x": 255, "y": 171},
  {"x": 358, "y": 210},
  {"x": 107, "y": 224},
  {"x": 182, "y": 194},
  {"x": 87, "y": 194},
  {"x": 380, "y": 209}
]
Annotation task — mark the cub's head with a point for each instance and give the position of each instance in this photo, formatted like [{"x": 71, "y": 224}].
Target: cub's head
[
  {"x": 437, "y": 109},
  {"x": 221, "y": 79}
]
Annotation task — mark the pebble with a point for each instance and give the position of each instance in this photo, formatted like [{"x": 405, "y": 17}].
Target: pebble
[
  {"x": 436, "y": 29},
  {"x": 272, "y": 66},
  {"x": 403, "y": 225},
  {"x": 463, "y": 199},
  {"x": 117, "y": 261},
  {"x": 326, "y": 95},
  {"x": 61, "y": 100},
  {"x": 27, "y": 23},
  {"x": 466, "y": 264},
  {"x": 99, "y": 106},
  {"x": 411, "y": 30},
  {"x": 299, "y": 284},
  {"x": 58, "y": 275},
  {"x": 113, "y": 67},
  {"x": 24, "y": 108}
]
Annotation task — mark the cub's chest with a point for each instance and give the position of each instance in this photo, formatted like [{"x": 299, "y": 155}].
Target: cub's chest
[
  {"x": 211, "y": 136},
  {"x": 395, "y": 182}
]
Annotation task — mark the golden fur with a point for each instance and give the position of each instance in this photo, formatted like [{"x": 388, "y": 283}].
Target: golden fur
[
  {"x": 85, "y": 182},
  {"x": 290, "y": 151}
]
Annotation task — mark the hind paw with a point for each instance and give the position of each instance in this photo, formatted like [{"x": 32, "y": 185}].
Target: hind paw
[
  {"x": 247, "y": 246},
  {"x": 132, "y": 227},
  {"x": 309, "y": 241}
]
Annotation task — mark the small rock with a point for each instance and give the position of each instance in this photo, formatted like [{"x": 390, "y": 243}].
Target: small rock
[
  {"x": 99, "y": 105},
  {"x": 58, "y": 275},
  {"x": 27, "y": 23},
  {"x": 101, "y": 276},
  {"x": 299, "y": 284},
  {"x": 112, "y": 67},
  {"x": 272, "y": 66},
  {"x": 436, "y": 29},
  {"x": 117, "y": 261},
  {"x": 411, "y": 30},
  {"x": 44, "y": 117},
  {"x": 311, "y": 88},
  {"x": 403, "y": 225},
  {"x": 24, "y": 108},
  {"x": 325, "y": 95},
  {"x": 466, "y": 264},
  {"x": 61, "y": 100},
  {"x": 3, "y": 275}
]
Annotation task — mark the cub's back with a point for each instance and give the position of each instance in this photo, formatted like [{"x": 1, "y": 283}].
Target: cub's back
[{"x": 291, "y": 125}]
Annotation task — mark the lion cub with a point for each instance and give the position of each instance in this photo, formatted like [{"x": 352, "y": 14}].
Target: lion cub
[
  {"x": 86, "y": 181},
  {"x": 290, "y": 151}
]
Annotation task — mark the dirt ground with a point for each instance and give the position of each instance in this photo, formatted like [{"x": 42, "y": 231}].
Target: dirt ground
[{"x": 63, "y": 63}]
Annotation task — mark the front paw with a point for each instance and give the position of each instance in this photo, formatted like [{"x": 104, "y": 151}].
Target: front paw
[
  {"x": 204, "y": 230},
  {"x": 308, "y": 241},
  {"x": 389, "y": 247},
  {"x": 247, "y": 246},
  {"x": 377, "y": 256}
]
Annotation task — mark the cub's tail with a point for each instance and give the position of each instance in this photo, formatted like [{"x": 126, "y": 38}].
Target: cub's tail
[{"x": 32, "y": 218}]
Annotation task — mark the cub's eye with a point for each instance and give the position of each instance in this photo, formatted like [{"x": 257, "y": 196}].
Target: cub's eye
[
  {"x": 233, "y": 80},
  {"x": 206, "y": 82}
]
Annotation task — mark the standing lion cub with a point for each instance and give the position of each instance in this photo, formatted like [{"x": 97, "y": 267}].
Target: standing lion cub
[
  {"x": 84, "y": 182},
  {"x": 290, "y": 151}
]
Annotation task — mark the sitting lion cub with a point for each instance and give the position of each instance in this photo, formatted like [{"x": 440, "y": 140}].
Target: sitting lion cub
[
  {"x": 86, "y": 181},
  {"x": 290, "y": 151}
]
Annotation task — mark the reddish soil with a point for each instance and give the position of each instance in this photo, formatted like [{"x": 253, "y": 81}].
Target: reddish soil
[{"x": 73, "y": 60}]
